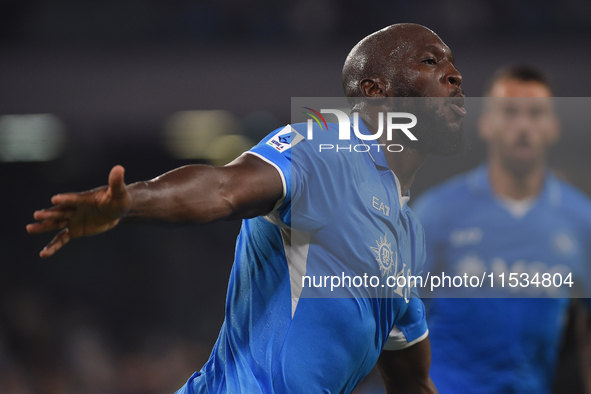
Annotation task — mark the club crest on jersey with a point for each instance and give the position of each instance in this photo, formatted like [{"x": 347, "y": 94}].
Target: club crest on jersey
[
  {"x": 285, "y": 139},
  {"x": 563, "y": 243},
  {"x": 387, "y": 259}
]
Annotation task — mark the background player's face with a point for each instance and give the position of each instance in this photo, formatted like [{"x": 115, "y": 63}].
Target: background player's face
[{"x": 519, "y": 124}]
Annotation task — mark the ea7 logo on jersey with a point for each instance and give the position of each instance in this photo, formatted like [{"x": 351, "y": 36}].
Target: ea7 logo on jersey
[{"x": 285, "y": 139}]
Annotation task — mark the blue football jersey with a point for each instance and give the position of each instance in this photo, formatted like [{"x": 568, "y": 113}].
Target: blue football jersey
[
  {"x": 501, "y": 345},
  {"x": 341, "y": 216}
]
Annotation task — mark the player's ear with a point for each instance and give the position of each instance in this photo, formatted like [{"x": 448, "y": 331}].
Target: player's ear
[{"x": 373, "y": 87}]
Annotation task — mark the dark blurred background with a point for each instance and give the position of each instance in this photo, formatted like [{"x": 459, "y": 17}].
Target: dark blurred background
[{"x": 153, "y": 85}]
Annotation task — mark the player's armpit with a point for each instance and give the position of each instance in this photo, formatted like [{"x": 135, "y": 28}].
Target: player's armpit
[{"x": 406, "y": 371}]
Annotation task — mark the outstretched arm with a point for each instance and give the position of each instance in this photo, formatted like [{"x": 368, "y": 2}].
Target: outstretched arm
[
  {"x": 406, "y": 371},
  {"x": 199, "y": 194}
]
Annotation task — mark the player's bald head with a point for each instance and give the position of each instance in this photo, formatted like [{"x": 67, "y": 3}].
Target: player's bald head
[{"x": 380, "y": 53}]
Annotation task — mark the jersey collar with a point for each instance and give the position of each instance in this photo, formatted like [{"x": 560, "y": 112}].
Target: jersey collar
[
  {"x": 376, "y": 152},
  {"x": 550, "y": 193}
]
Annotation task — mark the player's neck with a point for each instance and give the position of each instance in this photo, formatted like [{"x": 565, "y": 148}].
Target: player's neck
[
  {"x": 506, "y": 183},
  {"x": 405, "y": 165}
]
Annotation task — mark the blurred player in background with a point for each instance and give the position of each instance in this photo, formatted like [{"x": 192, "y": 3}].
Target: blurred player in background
[
  {"x": 274, "y": 339},
  {"x": 508, "y": 215}
]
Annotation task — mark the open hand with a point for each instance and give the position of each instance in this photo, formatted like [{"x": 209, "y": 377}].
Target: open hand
[{"x": 81, "y": 214}]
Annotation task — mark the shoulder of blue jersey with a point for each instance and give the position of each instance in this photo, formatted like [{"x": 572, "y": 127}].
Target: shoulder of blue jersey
[
  {"x": 286, "y": 138},
  {"x": 442, "y": 197},
  {"x": 575, "y": 201}
]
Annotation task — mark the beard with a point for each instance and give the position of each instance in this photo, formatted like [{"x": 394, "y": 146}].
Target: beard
[
  {"x": 435, "y": 134},
  {"x": 519, "y": 168}
]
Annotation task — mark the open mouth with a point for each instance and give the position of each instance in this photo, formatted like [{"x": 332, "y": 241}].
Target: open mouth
[{"x": 457, "y": 105}]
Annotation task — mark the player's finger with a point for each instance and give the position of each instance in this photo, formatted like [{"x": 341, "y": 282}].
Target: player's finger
[
  {"x": 68, "y": 199},
  {"x": 46, "y": 225},
  {"x": 56, "y": 243},
  {"x": 57, "y": 212},
  {"x": 116, "y": 181}
]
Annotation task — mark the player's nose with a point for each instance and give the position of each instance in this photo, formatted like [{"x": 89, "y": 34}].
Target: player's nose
[{"x": 453, "y": 76}]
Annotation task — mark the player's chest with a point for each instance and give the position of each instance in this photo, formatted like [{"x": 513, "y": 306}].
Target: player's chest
[
  {"x": 491, "y": 241},
  {"x": 372, "y": 229}
]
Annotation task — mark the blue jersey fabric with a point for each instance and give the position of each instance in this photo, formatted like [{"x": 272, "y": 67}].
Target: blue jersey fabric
[
  {"x": 500, "y": 345},
  {"x": 280, "y": 336}
]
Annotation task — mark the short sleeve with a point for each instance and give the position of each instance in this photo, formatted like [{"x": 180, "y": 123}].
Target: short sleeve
[
  {"x": 275, "y": 149},
  {"x": 411, "y": 328},
  {"x": 315, "y": 180}
]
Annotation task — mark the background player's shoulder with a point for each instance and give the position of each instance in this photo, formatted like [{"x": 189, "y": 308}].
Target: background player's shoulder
[
  {"x": 448, "y": 194},
  {"x": 574, "y": 202},
  {"x": 571, "y": 194}
]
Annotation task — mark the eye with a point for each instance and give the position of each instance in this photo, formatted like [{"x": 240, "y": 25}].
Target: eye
[
  {"x": 535, "y": 113},
  {"x": 430, "y": 61},
  {"x": 510, "y": 111}
]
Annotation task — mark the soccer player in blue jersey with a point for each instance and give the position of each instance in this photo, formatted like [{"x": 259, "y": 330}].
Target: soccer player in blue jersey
[
  {"x": 508, "y": 215},
  {"x": 307, "y": 212}
]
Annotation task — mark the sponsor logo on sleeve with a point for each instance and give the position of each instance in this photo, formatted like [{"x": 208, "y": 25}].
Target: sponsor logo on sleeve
[{"x": 285, "y": 139}]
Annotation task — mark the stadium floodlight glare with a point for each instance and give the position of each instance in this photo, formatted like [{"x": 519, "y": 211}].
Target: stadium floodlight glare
[
  {"x": 190, "y": 133},
  {"x": 31, "y": 137}
]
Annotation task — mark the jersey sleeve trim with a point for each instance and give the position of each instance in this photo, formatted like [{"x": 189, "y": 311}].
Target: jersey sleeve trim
[
  {"x": 283, "y": 182},
  {"x": 397, "y": 340}
]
